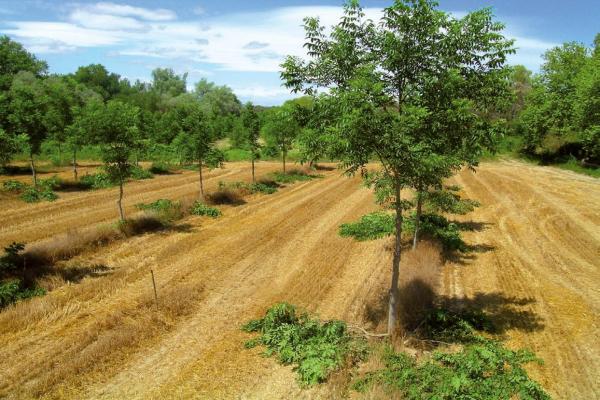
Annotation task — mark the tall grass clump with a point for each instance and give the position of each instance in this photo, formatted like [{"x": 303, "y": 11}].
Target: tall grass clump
[{"x": 316, "y": 349}]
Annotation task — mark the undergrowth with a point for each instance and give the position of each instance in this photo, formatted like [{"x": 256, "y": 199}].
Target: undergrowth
[
  {"x": 33, "y": 194},
  {"x": 370, "y": 226},
  {"x": 167, "y": 210},
  {"x": 202, "y": 209},
  {"x": 292, "y": 176},
  {"x": 315, "y": 349},
  {"x": 266, "y": 187},
  {"x": 13, "y": 289},
  {"x": 482, "y": 369}
]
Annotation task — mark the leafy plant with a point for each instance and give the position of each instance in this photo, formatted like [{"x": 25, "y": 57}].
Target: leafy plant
[
  {"x": 439, "y": 228},
  {"x": 316, "y": 348},
  {"x": 159, "y": 168},
  {"x": 13, "y": 291},
  {"x": 167, "y": 210},
  {"x": 33, "y": 194},
  {"x": 14, "y": 186},
  {"x": 12, "y": 259},
  {"x": 371, "y": 226},
  {"x": 292, "y": 176},
  {"x": 199, "y": 208},
  {"x": 258, "y": 187},
  {"x": 482, "y": 369},
  {"x": 99, "y": 180},
  {"x": 139, "y": 173}
]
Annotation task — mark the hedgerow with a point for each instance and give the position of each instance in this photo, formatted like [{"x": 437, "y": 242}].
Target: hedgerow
[{"x": 316, "y": 349}]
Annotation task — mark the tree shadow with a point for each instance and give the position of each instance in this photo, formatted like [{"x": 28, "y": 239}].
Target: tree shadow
[
  {"x": 472, "y": 226},
  {"x": 76, "y": 274},
  {"x": 418, "y": 299}
]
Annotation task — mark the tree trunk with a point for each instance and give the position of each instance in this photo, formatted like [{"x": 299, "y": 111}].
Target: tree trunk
[
  {"x": 59, "y": 154},
  {"x": 201, "y": 197},
  {"x": 33, "y": 174},
  {"x": 394, "y": 301},
  {"x": 253, "y": 178},
  {"x": 75, "y": 164},
  {"x": 120, "y": 201},
  {"x": 283, "y": 154},
  {"x": 418, "y": 219}
]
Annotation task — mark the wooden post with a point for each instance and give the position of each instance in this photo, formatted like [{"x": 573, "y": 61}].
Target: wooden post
[{"x": 154, "y": 286}]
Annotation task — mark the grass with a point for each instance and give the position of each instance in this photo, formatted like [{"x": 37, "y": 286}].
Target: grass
[
  {"x": 315, "y": 349},
  {"x": 575, "y": 166},
  {"x": 293, "y": 175}
]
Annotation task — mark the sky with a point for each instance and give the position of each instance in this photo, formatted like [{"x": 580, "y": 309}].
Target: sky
[{"x": 241, "y": 43}]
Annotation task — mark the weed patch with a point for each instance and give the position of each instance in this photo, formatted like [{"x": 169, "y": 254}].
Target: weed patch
[
  {"x": 264, "y": 187},
  {"x": 482, "y": 369},
  {"x": 316, "y": 349},
  {"x": 225, "y": 196},
  {"x": 292, "y": 176},
  {"x": 202, "y": 209},
  {"x": 99, "y": 180},
  {"x": 139, "y": 173},
  {"x": 371, "y": 226},
  {"x": 165, "y": 209}
]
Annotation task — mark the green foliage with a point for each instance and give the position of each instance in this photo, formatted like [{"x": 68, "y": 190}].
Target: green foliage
[
  {"x": 447, "y": 200},
  {"x": 439, "y": 228},
  {"x": 159, "y": 168},
  {"x": 202, "y": 209},
  {"x": 12, "y": 259},
  {"x": 371, "y": 226},
  {"x": 139, "y": 173},
  {"x": 34, "y": 194},
  {"x": 99, "y": 180},
  {"x": 14, "y": 186},
  {"x": 482, "y": 369},
  {"x": 13, "y": 291},
  {"x": 167, "y": 210},
  {"x": 257, "y": 187},
  {"x": 316, "y": 349}
]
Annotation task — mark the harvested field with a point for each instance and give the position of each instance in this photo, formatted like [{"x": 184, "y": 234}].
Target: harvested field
[{"x": 535, "y": 268}]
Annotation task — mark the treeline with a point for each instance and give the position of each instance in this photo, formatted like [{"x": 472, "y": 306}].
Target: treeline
[
  {"x": 122, "y": 122},
  {"x": 556, "y": 113}
]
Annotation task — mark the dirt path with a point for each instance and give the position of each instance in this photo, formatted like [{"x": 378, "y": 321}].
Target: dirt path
[{"x": 535, "y": 269}]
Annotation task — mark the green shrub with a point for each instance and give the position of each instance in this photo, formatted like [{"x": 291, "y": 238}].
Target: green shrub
[
  {"x": 292, "y": 176},
  {"x": 12, "y": 259},
  {"x": 267, "y": 187},
  {"x": 13, "y": 291},
  {"x": 238, "y": 155},
  {"x": 159, "y": 168},
  {"x": 14, "y": 186},
  {"x": 263, "y": 188},
  {"x": 371, "y": 226},
  {"x": 439, "y": 228},
  {"x": 32, "y": 194},
  {"x": 165, "y": 209},
  {"x": 99, "y": 180},
  {"x": 316, "y": 348},
  {"x": 482, "y": 369},
  {"x": 138, "y": 173},
  {"x": 199, "y": 208}
]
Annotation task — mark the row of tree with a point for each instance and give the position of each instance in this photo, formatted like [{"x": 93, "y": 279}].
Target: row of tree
[{"x": 559, "y": 108}]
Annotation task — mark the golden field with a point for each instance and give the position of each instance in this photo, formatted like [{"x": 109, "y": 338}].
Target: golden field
[{"x": 535, "y": 269}]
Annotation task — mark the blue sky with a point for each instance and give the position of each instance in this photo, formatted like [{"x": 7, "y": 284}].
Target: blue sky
[{"x": 241, "y": 43}]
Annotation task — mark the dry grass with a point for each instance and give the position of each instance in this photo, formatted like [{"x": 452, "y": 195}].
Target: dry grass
[{"x": 226, "y": 197}]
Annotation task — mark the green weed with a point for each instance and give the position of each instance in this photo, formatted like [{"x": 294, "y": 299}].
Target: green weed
[
  {"x": 371, "y": 226},
  {"x": 167, "y": 210},
  {"x": 316, "y": 349},
  {"x": 202, "y": 209}
]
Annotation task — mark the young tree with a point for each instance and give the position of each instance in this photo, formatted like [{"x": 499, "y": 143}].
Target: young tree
[
  {"x": 27, "y": 107},
  {"x": 251, "y": 123},
  {"x": 281, "y": 129},
  {"x": 114, "y": 126},
  {"x": 9, "y": 146},
  {"x": 382, "y": 82},
  {"x": 197, "y": 140}
]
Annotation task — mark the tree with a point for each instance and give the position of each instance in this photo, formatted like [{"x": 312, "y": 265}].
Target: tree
[
  {"x": 9, "y": 146},
  {"x": 27, "y": 107},
  {"x": 114, "y": 127},
  {"x": 196, "y": 140},
  {"x": 389, "y": 85},
  {"x": 166, "y": 82},
  {"x": 251, "y": 123},
  {"x": 281, "y": 130},
  {"x": 97, "y": 78},
  {"x": 76, "y": 133},
  {"x": 16, "y": 59}
]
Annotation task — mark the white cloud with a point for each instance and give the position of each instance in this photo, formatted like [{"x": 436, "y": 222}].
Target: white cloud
[
  {"x": 159, "y": 14},
  {"x": 245, "y": 42}
]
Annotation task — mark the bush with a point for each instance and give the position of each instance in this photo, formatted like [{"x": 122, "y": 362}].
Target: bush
[
  {"x": 142, "y": 224},
  {"x": 138, "y": 173},
  {"x": 99, "y": 180},
  {"x": 264, "y": 187},
  {"x": 292, "y": 176},
  {"x": 439, "y": 228},
  {"x": 167, "y": 210},
  {"x": 14, "y": 186},
  {"x": 225, "y": 196},
  {"x": 159, "y": 168},
  {"x": 371, "y": 226},
  {"x": 13, "y": 291},
  {"x": 12, "y": 258},
  {"x": 202, "y": 209},
  {"x": 316, "y": 348},
  {"x": 482, "y": 369},
  {"x": 32, "y": 194}
]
